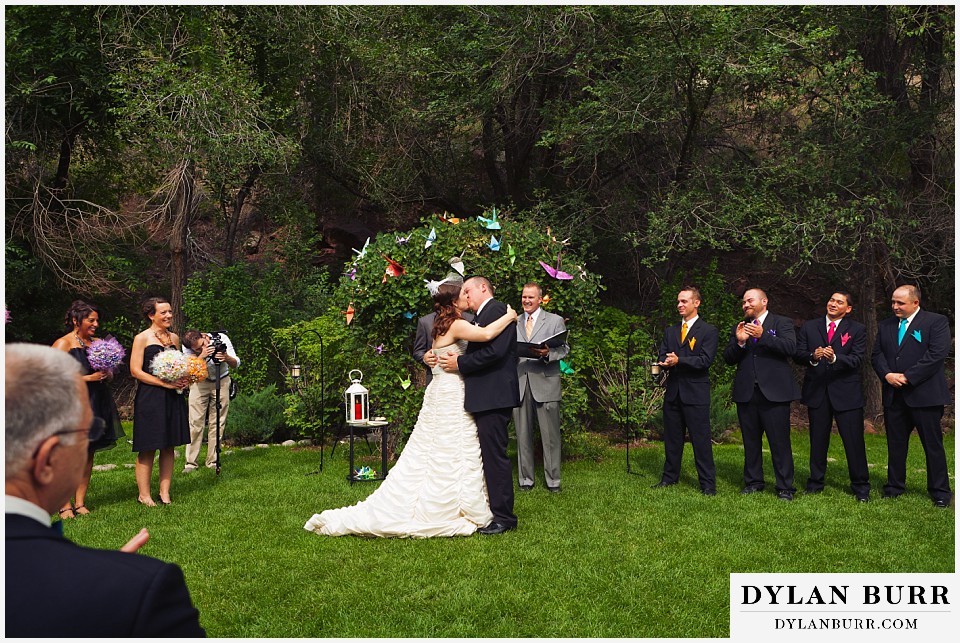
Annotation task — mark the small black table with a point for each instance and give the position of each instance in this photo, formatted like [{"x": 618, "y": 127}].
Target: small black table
[{"x": 380, "y": 423}]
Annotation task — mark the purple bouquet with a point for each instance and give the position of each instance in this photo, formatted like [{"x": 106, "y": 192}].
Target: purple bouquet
[{"x": 105, "y": 354}]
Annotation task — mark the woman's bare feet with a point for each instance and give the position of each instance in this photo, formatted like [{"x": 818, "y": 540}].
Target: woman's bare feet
[
  {"x": 67, "y": 512},
  {"x": 148, "y": 502},
  {"x": 81, "y": 510}
]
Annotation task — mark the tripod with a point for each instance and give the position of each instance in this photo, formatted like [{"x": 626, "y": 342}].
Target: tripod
[{"x": 217, "y": 402}]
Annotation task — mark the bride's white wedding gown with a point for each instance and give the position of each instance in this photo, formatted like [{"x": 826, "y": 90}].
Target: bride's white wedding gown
[{"x": 436, "y": 488}]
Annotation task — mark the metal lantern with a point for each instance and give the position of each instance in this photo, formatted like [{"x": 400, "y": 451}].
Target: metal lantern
[
  {"x": 357, "y": 400},
  {"x": 655, "y": 369}
]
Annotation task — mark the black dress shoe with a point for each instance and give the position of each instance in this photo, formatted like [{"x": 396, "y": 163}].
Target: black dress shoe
[
  {"x": 809, "y": 491},
  {"x": 526, "y": 487},
  {"x": 891, "y": 496},
  {"x": 495, "y": 528},
  {"x": 554, "y": 489},
  {"x": 863, "y": 498},
  {"x": 661, "y": 484},
  {"x": 708, "y": 492},
  {"x": 785, "y": 495},
  {"x": 941, "y": 503},
  {"x": 749, "y": 490}
]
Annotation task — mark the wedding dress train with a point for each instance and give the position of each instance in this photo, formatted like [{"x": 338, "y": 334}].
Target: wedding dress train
[{"x": 436, "y": 487}]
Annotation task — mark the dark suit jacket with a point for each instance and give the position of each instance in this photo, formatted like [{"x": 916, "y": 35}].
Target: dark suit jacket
[
  {"x": 920, "y": 358},
  {"x": 840, "y": 380},
  {"x": 423, "y": 340},
  {"x": 489, "y": 369},
  {"x": 56, "y": 589},
  {"x": 690, "y": 378},
  {"x": 765, "y": 362}
]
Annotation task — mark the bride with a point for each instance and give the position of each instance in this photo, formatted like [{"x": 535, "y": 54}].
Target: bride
[{"x": 436, "y": 487}]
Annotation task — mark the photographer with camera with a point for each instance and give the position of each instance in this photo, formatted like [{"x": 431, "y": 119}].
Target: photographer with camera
[{"x": 218, "y": 352}]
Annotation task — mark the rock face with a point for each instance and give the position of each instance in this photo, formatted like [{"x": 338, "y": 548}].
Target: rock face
[{"x": 251, "y": 244}]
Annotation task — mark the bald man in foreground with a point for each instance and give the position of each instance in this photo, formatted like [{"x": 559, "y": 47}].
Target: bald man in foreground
[{"x": 54, "y": 588}]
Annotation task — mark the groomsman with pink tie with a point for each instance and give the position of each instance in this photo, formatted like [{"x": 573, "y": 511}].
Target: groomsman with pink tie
[{"x": 833, "y": 348}]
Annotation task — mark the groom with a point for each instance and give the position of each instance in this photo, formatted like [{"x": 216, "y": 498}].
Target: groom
[{"x": 491, "y": 392}]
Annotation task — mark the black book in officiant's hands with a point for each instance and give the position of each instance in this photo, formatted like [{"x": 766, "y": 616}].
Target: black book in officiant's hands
[{"x": 528, "y": 349}]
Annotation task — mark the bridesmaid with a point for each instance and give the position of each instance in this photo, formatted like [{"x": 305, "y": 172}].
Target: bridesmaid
[
  {"x": 159, "y": 408},
  {"x": 82, "y": 321}
]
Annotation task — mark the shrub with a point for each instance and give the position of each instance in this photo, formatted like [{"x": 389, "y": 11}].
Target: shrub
[
  {"x": 580, "y": 445},
  {"x": 248, "y": 302},
  {"x": 256, "y": 417},
  {"x": 723, "y": 412},
  {"x": 386, "y": 307}
]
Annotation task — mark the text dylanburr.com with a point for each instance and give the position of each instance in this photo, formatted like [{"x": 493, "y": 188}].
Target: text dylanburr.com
[{"x": 847, "y": 607}]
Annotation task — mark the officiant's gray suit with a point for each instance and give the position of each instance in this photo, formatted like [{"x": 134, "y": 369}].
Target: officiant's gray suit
[{"x": 539, "y": 381}]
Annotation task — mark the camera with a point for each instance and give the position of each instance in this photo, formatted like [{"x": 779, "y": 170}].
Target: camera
[{"x": 218, "y": 345}]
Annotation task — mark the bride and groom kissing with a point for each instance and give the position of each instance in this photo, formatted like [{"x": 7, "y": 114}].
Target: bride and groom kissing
[{"x": 453, "y": 477}]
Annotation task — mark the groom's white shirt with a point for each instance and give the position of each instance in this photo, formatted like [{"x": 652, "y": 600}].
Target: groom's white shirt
[{"x": 481, "y": 307}]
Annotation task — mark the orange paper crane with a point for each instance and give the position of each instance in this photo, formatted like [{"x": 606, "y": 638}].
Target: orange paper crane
[
  {"x": 393, "y": 268},
  {"x": 349, "y": 312}
]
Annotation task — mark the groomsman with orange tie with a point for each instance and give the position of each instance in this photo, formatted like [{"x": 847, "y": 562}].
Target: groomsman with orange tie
[
  {"x": 687, "y": 351},
  {"x": 908, "y": 356},
  {"x": 833, "y": 349}
]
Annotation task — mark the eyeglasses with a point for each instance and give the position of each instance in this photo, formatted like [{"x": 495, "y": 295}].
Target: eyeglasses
[{"x": 94, "y": 433}]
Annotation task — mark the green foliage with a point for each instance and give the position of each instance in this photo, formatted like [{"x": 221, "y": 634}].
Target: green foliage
[
  {"x": 723, "y": 412},
  {"x": 255, "y": 417},
  {"x": 585, "y": 445},
  {"x": 36, "y": 307},
  {"x": 387, "y": 307},
  {"x": 247, "y": 302},
  {"x": 312, "y": 408},
  {"x": 718, "y": 306},
  {"x": 601, "y": 359}
]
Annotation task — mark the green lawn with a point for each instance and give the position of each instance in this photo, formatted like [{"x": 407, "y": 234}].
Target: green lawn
[{"x": 609, "y": 557}]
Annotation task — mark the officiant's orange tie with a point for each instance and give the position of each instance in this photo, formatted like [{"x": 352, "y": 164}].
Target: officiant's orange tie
[
  {"x": 683, "y": 333},
  {"x": 529, "y": 326}
]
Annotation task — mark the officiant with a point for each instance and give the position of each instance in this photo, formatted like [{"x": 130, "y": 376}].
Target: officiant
[{"x": 538, "y": 369}]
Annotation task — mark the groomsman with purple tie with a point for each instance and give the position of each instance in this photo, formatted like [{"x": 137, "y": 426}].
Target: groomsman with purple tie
[
  {"x": 761, "y": 346},
  {"x": 908, "y": 356},
  {"x": 833, "y": 348}
]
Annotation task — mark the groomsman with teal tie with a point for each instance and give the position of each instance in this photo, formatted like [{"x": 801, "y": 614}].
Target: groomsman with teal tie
[{"x": 908, "y": 356}]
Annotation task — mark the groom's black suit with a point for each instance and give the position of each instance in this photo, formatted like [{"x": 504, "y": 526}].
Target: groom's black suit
[{"x": 491, "y": 392}]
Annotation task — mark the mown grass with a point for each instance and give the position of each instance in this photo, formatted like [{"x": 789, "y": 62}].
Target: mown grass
[{"x": 609, "y": 557}]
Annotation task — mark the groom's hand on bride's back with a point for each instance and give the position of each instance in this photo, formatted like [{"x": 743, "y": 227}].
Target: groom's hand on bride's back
[{"x": 448, "y": 362}]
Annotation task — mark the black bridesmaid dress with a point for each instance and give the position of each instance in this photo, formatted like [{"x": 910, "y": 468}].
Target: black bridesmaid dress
[
  {"x": 101, "y": 401},
  {"x": 159, "y": 414}
]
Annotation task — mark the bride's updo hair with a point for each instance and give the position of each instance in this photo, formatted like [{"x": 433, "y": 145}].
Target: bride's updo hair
[{"x": 445, "y": 305}]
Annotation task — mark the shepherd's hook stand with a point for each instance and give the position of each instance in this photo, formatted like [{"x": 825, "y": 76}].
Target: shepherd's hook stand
[
  {"x": 626, "y": 417},
  {"x": 298, "y": 386}
]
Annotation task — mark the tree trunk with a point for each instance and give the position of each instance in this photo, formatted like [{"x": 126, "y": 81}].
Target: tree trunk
[
  {"x": 873, "y": 410},
  {"x": 233, "y": 214},
  {"x": 182, "y": 204}
]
